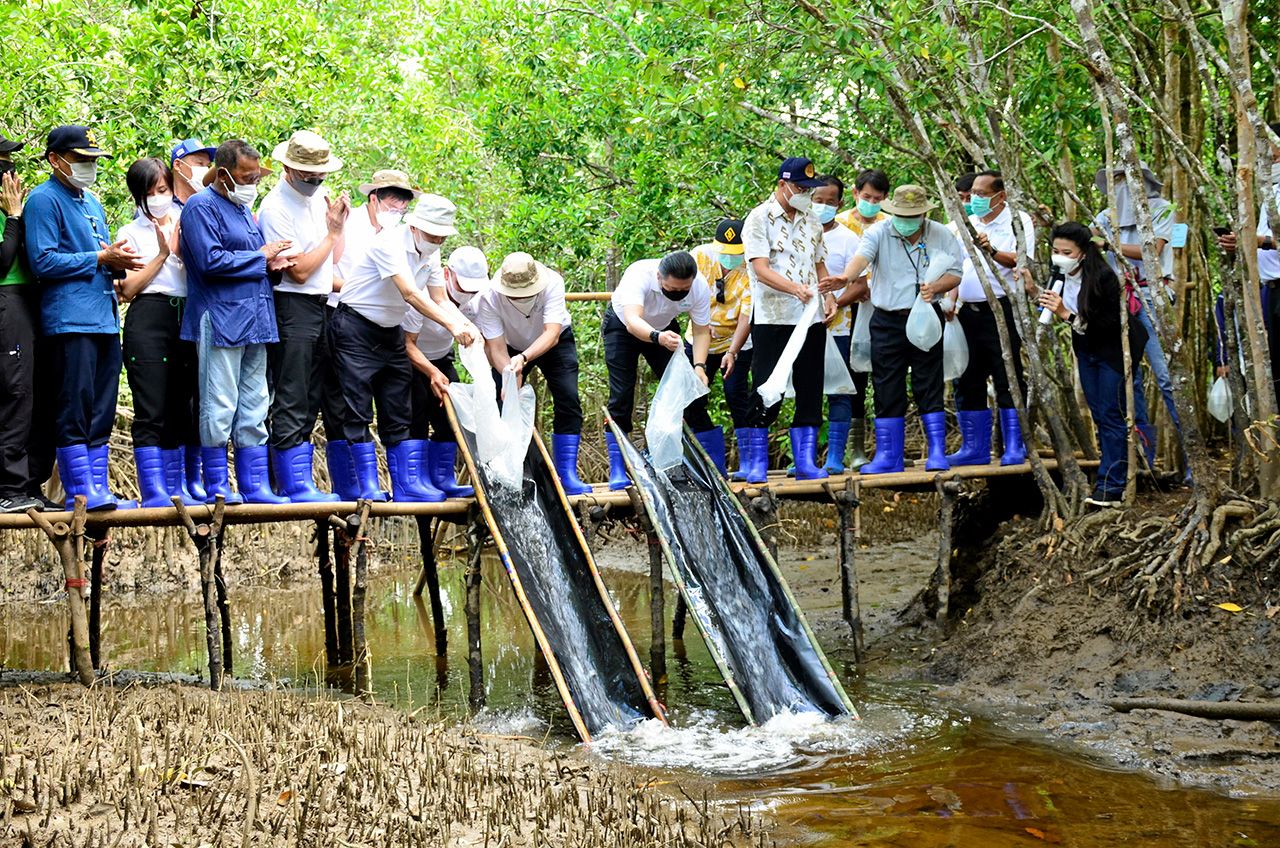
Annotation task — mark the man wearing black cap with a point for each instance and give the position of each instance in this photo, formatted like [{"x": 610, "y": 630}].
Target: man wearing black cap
[
  {"x": 70, "y": 252},
  {"x": 786, "y": 257}
]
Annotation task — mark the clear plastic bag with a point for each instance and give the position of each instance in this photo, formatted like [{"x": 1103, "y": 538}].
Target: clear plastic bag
[
  {"x": 678, "y": 388},
  {"x": 860, "y": 341},
  {"x": 1220, "y": 400},
  {"x": 924, "y": 330},
  {"x": 502, "y": 437},
  {"x": 836, "y": 379},
  {"x": 772, "y": 390},
  {"x": 955, "y": 350}
]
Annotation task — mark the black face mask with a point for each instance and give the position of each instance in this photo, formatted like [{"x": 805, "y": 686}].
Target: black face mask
[{"x": 676, "y": 294}]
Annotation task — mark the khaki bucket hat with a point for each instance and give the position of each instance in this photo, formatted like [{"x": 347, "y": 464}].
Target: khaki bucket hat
[
  {"x": 521, "y": 276},
  {"x": 306, "y": 151},
  {"x": 909, "y": 200},
  {"x": 389, "y": 178}
]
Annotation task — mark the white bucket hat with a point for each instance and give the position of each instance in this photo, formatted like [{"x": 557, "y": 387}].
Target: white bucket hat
[
  {"x": 433, "y": 215},
  {"x": 520, "y": 276},
  {"x": 306, "y": 151},
  {"x": 470, "y": 268}
]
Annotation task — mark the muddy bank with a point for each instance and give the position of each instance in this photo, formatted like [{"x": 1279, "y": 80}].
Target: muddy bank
[{"x": 181, "y": 766}]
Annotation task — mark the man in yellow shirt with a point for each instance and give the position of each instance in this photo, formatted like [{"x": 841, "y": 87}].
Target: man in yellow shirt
[{"x": 720, "y": 263}]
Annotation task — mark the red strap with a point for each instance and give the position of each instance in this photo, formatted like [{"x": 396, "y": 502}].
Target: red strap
[{"x": 77, "y": 583}]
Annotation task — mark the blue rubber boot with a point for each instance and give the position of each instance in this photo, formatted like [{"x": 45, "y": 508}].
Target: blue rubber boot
[
  {"x": 342, "y": 475},
  {"x": 191, "y": 466},
  {"x": 99, "y": 462},
  {"x": 408, "y": 480},
  {"x": 890, "y": 433},
  {"x": 152, "y": 482},
  {"x": 618, "y": 478},
  {"x": 747, "y": 437},
  {"x": 252, "y": 477},
  {"x": 758, "y": 450},
  {"x": 441, "y": 468},
  {"x": 804, "y": 447},
  {"x": 837, "y": 443},
  {"x": 975, "y": 434},
  {"x": 76, "y": 472},
  {"x": 216, "y": 480},
  {"x": 175, "y": 481},
  {"x": 1015, "y": 450},
  {"x": 364, "y": 470},
  {"x": 935, "y": 436},
  {"x": 712, "y": 442},
  {"x": 292, "y": 468},
  {"x": 564, "y": 454}
]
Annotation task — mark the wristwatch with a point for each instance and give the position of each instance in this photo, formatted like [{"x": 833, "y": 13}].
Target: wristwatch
[
  {"x": 701, "y": 365},
  {"x": 653, "y": 336}
]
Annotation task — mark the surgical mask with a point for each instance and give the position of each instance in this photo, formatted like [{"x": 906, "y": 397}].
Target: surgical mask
[
  {"x": 83, "y": 174},
  {"x": 867, "y": 209},
  {"x": 730, "y": 262},
  {"x": 524, "y": 305},
  {"x": 306, "y": 188},
  {"x": 197, "y": 176},
  {"x": 675, "y": 294},
  {"x": 907, "y": 227},
  {"x": 801, "y": 201},
  {"x": 425, "y": 248},
  {"x": 980, "y": 206},
  {"x": 1065, "y": 264},
  {"x": 825, "y": 211},
  {"x": 388, "y": 219},
  {"x": 244, "y": 195},
  {"x": 159, "y": 205},
  {"x": 968, "y": 207}
]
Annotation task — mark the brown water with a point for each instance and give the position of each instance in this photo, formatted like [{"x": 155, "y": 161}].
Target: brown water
[{"x": 912, "y": 774}]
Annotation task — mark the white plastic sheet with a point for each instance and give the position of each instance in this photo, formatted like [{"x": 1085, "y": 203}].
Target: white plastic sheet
[
  {"x": 955, "y": 350},
  {"x": 1220, "y": 400},
  {"x": 836, "y": 379},
  {"x": 678, "y": 388},
  {"x": 502, "y": 437},
  {"x": 924, "y": 330},
  {"x": 772, "y": 389},
  {"x": 860, "y": 342}
]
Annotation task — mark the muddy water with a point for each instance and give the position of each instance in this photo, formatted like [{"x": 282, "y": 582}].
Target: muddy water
[{"x": 912, "y": 774}]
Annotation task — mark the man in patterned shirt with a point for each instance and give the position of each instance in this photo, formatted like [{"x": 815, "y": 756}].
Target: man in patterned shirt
[{"x": 785, "y": 260}]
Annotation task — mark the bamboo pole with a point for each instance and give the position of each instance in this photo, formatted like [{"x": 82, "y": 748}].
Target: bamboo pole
[
  {"x": 224, "y": 608},
  {"x": 947, "y": 491},
  {"x": 358, "y": 527},
  {"x": 342, "y": 588},
  {"x": 504, "y": 555},
  {"x": 96, "y": 574},
  {"x": 429, "y": 578},
  {"x": 205, "y": 538},
  {"x": 850, "y": 605},
  {"x": 328, "y": 601},
  {"x": 475, "y": 653},
  {"x": 62, "y": 535}
]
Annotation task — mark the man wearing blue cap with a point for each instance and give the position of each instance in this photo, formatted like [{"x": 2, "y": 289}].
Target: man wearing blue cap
[
  {"x": 786, "y": 257},
  {"x": 70, "y": 252},
  {"x": 189, "y": 161}
]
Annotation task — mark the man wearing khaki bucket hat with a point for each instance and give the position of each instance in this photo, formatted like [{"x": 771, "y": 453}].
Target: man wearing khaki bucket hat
[
  {"x": 902, "y": 253},
  {"x": 526, "y": 325},
  {"x": 299, "y": 209}
]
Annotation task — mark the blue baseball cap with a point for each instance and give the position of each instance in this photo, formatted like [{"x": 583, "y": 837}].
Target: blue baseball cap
[
  {"x": 189, "y": 146},
  {"x": 799, "y": 170}
]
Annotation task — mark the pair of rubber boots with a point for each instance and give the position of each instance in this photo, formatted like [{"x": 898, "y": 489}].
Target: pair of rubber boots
[
  {"x": 83, "y": 470},
  {"x": 421, "y": 471},
  {"x": 976, "y": 448},
  {"x": 839, "y": 434},
  {"x": 975, "y": 433}
]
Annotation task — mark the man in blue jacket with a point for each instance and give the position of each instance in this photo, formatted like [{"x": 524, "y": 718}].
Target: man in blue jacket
[
  {"x": 230, "y": 317},
  {"x": 70, "y": 252}
]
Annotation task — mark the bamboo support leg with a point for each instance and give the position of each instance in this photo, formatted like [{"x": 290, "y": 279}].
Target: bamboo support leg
[
  {"x": 946, "y": 510},
  {"x": 63, "y": 536},
  {"x": 342, "y": 588},
  {"x": 430, "y": 576},
  {"x": 850, "y": 605},
  {"x": 427, "y": 547},
  {"x": 357, "y": 530},
  {"x": 678, "y": 619},
  {"x": 224, "y": 608},
  {"x": 475, "y": 656},
  {"x": 205, "y": 537},
  {"x": 325, "y": 567},
  {"x": 96, "y": 570}
]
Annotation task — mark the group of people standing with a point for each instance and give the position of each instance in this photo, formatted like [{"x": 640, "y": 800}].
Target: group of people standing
[{"x": 244, "y": 329}]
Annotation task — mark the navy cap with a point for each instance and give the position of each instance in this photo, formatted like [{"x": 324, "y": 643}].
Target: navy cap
[
  {"x": 75, "y": 139},
  {"x": 799, "y": 170},
  {"x": 188, "y": 146},
  {"x": 9, "y": 146}
]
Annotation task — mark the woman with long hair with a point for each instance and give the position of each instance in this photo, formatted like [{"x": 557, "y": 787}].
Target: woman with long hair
[{"x": 1090, "y": 302}]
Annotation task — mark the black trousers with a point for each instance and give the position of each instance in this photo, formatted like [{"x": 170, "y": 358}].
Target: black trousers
[
  {"x": 88, "y": 365},
  {"x": 986, "y": 357},
  {"x": 296, "y": 368},
  {"x": 19, "y": 315},
  {"x": 161, "y": 368},
  {"x": 429, "y": 416},
  {"x": 559, "y": 368},
  {"x": 737, "y": 392},
  {"x": 892, "y": 355},
  {"x": 372, "y": 363},
  {"x": 768, "y": 340},
  {"x": 331, "y": 404},
  {"x": 622, "y": 352}
]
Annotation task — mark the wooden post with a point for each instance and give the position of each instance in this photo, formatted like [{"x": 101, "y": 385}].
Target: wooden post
[
  {"x": 850, "y": 606},
  {"x": 947, "y": 489},
  {"x": 100, "y": 539},
  {"x": 430, "y": 576},
  {"x": 357, "y": 529},
  {"x": 327, "y": 599},
  {"x": 475, "y": 657},
  {"x": 764, "y": 514},
  {"x": 205, "y": 537},
  {"x": 64, "y": 537},
  {"x": 657, "y": 596},
  {"x": 342, "y": 587},
  {"x": 224, "y": 608}
]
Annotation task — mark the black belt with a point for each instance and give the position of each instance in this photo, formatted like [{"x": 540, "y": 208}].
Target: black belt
[
  {"x": 320, "y": 297},
  {"x": 979, "y": 305},
  {"x": 175, "y": 299}
]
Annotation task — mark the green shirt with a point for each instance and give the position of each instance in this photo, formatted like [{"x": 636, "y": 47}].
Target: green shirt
[{"x": 18, "y": 275}]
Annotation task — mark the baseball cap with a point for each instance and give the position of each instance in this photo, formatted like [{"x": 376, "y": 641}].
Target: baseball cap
[
  {"x": 75, "y": 139},
  {"x": 800, "y": 171},
  {"x": 188, "y": 146},
  {"x": 470, "y": 268},
  {"x": 10, "y": 146},
  {"x": 729, "y": 237}
]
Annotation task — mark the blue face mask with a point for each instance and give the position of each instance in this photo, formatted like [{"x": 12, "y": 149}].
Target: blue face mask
[
  {"x": 867, "y": 209},
  {"x": 968, "y": 207},
  {"x": 907, "y": 227},
  {"x": 979, "y": 205},
  {"x": 729, "y": 262},
  {"x": 826, "y": 212}
]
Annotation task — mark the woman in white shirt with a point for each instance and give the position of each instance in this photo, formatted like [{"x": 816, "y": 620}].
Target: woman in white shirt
[{"x": 161, "y": 367}]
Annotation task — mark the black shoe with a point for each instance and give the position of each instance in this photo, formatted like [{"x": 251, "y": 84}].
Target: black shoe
[
  {"x": 47, "y": 504},
  {"x": 19, "y": 504}
]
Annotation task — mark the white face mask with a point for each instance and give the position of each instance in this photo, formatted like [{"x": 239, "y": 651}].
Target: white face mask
[
  {"x": 159, "y": 205},
  {"x": 244, "y": 195},
  {"x": 425, "y": 248},
  {"x": 801, "y": 201},
  {"x": 386, "y": 220},
  {"x": 83, "y": 174},
  {"x": 196, "y": 180},
  {"x": 1065, "y": 264},
  {"x": 524, "y": 305}
]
